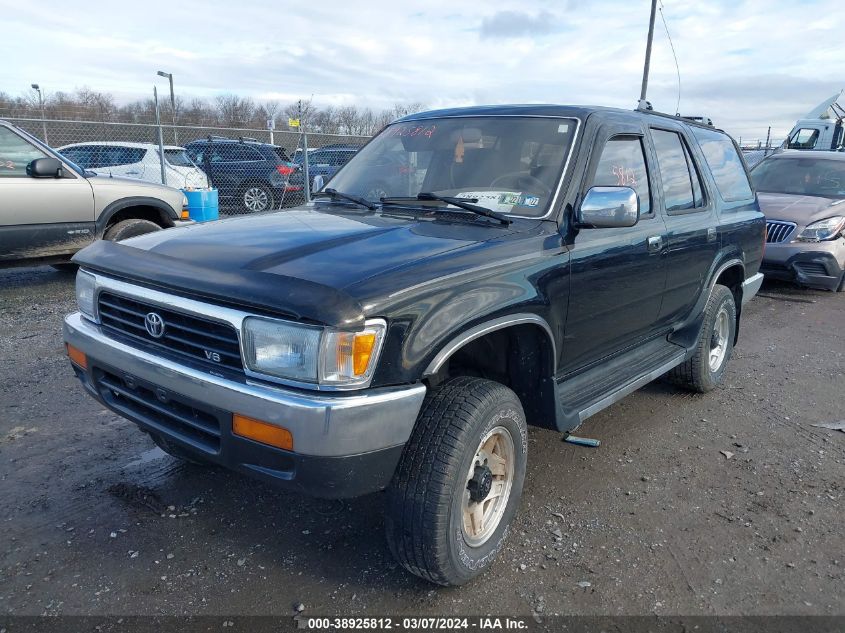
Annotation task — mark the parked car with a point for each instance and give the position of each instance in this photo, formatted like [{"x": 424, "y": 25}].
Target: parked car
[
  {"x": 388, "y": 172},
  {"x": 802, "y": 195},
  {"x": 50, "y": 207},
  {"x": 539, "y": 264},
  {"x": 137, "y": 160},
  {"x": 252, "y": 176},
  {"x": 324, "y": 161}
]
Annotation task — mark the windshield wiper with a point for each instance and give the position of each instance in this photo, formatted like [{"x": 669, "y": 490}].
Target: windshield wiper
[
  {"x": 461, "y": 203},
  {"x": 334, "y": 194}
]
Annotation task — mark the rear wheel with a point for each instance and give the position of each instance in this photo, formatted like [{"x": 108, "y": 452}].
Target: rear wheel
[
  {"x": 459, "y": 481},
  {"x": 256, "y": 198},
  {"x": 125, "y": 229},
  {"x": 703, "y": 371}
]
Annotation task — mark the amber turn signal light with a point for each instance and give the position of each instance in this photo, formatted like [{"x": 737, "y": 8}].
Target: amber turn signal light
[
  {"x": 186, "y": 215},
  {"x": 263, "y": 432},
  {"x": 77, "y": 356}
]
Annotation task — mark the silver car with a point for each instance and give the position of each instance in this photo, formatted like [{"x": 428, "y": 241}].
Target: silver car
[
  {"x": 802, "y": 195},
  {"x": 50, "y": 207}
]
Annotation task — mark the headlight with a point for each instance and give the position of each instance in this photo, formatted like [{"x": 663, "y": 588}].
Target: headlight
[
  {"x": 85, "y": 285},
  {"x": 282, "y": 349},
  {"x": 822, "y": 230},
  {"x": 311, "y": 354}
]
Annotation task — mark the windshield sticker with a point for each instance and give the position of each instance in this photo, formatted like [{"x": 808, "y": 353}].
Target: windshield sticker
[
  {"x": 411, "y": 131},
  {"x": 519, "y": 200},
  {"x": 563, "y": 128},
  {"x": 503, "y": 201}
]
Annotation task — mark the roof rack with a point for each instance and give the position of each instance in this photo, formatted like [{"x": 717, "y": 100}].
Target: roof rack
[
  {"x": 247, "y": 138},
  {"x": 703, "y": 120}
]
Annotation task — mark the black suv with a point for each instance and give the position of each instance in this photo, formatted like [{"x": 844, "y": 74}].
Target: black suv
[
  {"x": 248, "y": 175},
  {"x": 537, "y": 264}
]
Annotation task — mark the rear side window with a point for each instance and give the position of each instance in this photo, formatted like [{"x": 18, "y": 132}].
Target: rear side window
[
  {"x": 622, "y": 164},
  {"x": 725, "y": 163},
  {"x": 113, "y": 156},
  {"x": 84, "y": 156},
  {"x": 682, "y": 189},
  {"x": 16, "y": 154}
]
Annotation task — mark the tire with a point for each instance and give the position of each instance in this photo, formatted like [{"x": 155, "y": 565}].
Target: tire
[
  {"x": 704, "y": 370},
  {"x": 435, "y": 483},
  {"x": 841, "y": 287},
  {"x": 125, "y": 229},
  {"x": 256, "y": 198},
  {"x": 65, "y": 267},
  {"x": 177, "y": 452}
]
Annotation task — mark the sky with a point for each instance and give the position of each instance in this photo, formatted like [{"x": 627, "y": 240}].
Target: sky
[{"x": 747, "y": 64}]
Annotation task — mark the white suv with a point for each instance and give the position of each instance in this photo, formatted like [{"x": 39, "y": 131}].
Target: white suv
[{"x": 137, "y": 160}]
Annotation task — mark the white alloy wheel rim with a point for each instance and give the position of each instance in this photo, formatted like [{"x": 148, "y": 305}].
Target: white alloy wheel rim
[
  {"x": 488, "y": 486},
  {"x": 255, "y": 199},
  {"x": 719, "y": 339}
]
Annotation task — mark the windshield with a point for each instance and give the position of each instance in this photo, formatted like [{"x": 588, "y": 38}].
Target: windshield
[
  {"x": 803, "y": 176},
  {"x": 508, "y": 164},
  {"x": 178, "y": 158}
]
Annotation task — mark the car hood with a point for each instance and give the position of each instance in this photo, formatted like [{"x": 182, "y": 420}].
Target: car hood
[
  {"x": 802, "y": 210},
  {"x": 300, "y": 262}
]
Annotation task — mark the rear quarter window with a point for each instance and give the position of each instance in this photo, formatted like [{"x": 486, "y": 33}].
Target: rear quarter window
[{"x": 725, "y": 164}]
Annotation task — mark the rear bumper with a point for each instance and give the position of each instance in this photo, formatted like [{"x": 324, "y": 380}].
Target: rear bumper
[
  {"x": 821, "y": 268},
  {"x": 344, "y": 445}
]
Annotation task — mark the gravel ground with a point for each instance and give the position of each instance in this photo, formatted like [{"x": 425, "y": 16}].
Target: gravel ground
[{"x": 728, "y": 503}]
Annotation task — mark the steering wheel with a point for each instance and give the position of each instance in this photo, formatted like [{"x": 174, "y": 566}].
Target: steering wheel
[{"x": 524, "y": 181}]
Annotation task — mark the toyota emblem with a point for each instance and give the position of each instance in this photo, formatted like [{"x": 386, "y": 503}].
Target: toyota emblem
[{"x": 154, "y": 325}]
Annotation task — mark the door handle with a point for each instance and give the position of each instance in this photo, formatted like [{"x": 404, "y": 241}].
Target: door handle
[
  {"x": 655, "y": 243},
  {"x": 711, "y": 234}
]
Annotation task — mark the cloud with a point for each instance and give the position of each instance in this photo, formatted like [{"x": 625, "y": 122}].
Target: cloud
[
  {"x": 743, "y": 62},
  {"x": 508, "y": 24}
]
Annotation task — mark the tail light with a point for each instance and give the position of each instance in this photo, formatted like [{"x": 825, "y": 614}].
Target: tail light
[{"x": 284, "y": 170}]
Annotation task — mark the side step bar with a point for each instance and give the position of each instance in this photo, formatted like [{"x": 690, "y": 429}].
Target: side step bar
[{"x": 585, "y": 394}]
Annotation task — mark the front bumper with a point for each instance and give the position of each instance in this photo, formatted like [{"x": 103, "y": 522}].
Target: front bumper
[
  {"x": 813, "y": 264},
  {"x": 345, "y": 445}
]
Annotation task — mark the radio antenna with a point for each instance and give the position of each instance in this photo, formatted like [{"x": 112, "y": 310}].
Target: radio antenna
[
  {"x": 677, "y": 67},
  {"x": 643, "y": 104}
]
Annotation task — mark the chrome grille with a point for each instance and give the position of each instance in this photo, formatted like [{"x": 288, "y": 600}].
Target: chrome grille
[
  {"x": 203, "y": 340},
  {"x": 778, "y": 231}
]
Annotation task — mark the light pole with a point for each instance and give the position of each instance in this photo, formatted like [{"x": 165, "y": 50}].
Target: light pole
[
  {"x": 169, "y": 76},
  {"x": 37, "y": 89}
]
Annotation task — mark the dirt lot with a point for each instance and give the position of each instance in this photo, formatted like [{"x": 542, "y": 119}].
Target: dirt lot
[{"x": 95, "y": 520}]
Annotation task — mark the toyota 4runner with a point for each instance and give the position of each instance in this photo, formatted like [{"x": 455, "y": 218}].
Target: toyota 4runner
[{"x": 535, "y": 265}]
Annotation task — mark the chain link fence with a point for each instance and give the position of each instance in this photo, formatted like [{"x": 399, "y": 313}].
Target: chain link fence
[{"x": 253, "y": 170}]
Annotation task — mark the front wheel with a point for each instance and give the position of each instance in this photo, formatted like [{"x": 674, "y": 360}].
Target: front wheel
[
  {"x": 703, "y": 371},
  {"x": 459, "y": 481},
  {"x": 125, "y": 229}
]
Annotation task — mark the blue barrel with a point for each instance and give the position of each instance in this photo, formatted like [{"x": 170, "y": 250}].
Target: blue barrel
[{"x": 203, "y": 204}]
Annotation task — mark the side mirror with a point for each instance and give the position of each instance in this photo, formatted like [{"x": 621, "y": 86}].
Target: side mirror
[
  {"x": 45, "y": 168},
  {"x": 319, "y": 181},
  {"x": 609, "y": 208}
]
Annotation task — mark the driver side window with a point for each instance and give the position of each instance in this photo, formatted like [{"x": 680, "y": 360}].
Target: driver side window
[
  {"x": 15, "y": 154},
  {"x": 622, "y": 164}
]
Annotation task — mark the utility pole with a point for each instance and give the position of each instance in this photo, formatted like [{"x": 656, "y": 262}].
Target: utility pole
[
  {"x": 37, "y": 89},
  {"x": 160, "y": 139},
  {"x": 169, "y": 76},
  {"x": 643, "y": 104},
  {"x": 304, "y": 155}
]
